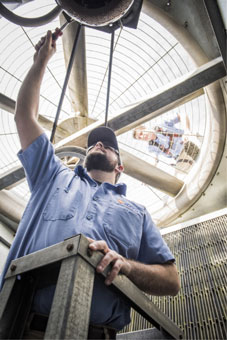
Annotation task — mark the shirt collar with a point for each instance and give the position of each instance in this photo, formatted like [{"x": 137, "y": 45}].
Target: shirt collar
[
  {"x": 80, "y": 171},
  {"x": 119, "y": 188}
]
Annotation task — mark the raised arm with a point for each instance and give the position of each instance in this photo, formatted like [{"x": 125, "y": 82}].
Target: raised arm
[{"x": 28, "y": 98}]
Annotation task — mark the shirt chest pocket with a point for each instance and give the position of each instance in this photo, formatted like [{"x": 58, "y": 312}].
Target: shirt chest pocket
[
  {"x": 62, "y": 205},
  {"x": 123, "y": 223}
]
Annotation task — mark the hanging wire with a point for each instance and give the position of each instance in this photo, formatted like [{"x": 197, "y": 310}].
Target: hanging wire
[
  {"x": 70, "y": 65},
  {"x": 109, "y": 77}
]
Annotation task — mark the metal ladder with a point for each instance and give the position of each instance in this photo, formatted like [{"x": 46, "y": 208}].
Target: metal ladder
[{"x": 71, "y": 266}]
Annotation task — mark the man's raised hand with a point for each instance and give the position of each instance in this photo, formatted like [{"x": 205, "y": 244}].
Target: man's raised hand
[{"x": 45, "y": 48}]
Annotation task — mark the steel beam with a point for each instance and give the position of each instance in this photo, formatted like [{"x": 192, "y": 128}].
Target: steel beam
[
  {"x": 164, "y": 99},
  {"x": 9, "y": 178},
  {"x": 218, "y": 27},
  {"x": 169, "y": 96}
]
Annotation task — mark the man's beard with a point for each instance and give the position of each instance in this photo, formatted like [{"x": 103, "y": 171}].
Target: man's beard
[{"x": 99, "y": 161}]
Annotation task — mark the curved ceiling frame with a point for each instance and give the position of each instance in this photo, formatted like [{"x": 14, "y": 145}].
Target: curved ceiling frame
[{"x": 210, "y": 156}]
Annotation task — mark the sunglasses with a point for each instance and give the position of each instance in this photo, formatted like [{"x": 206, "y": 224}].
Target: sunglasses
[{"x": 105, "y": 146}]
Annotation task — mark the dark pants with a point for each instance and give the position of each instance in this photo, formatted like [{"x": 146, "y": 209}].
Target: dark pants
[{"x": 35, "y": 329}]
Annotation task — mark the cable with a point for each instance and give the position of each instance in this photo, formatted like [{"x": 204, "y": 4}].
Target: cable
[
  {"x": 70, "y": 65},
  {"x": 109, "y": 77}
]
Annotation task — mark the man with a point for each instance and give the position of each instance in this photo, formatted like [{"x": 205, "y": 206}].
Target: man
[
  {"x": 170, "y": 141},
  {"x": 64, "y": 203}
]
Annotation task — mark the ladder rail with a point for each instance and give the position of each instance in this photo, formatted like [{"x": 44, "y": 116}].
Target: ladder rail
[{"x": 70, "y": 310}]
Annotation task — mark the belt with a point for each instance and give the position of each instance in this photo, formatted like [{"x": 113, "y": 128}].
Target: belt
[{"x": 38, "y": 322}]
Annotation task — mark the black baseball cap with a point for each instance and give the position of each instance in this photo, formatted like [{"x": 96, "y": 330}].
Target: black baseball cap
[{"x": 103, "y": 134}]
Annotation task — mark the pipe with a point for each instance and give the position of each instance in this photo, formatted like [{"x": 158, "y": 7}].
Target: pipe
[{"x": 29, "y": 22}]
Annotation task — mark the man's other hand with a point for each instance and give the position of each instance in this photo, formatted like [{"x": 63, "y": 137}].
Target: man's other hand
[{"x": 118, "y": 262}]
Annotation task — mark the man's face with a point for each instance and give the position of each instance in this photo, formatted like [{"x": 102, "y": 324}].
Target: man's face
[
  {"x": 145, "y": 135},
  {"x": 100, "y": 157}
]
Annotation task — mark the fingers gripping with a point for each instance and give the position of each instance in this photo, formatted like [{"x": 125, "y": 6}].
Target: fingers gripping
[
  {"x": 99, "y": 245},
  {"x": 117, "y": 265},
  {"x": 45, "y": 48},
  {"x": 111, "y": 257}
]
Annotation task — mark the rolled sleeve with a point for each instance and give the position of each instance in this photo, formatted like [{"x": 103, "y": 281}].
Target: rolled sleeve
[
  {"x": 39, "y": 161},
  {"x": 153, "y": 249}
]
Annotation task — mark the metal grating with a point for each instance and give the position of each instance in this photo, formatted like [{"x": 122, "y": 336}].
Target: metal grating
[{"x": 200, "y": 307}]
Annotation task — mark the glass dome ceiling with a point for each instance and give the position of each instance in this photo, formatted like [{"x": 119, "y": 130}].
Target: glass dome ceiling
[{"x": 144, "y": 60}]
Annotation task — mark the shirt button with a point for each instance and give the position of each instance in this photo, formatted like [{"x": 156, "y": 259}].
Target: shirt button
[{"x": 89, "y": 217}]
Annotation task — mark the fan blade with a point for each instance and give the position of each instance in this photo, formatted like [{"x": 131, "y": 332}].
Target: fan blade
[
  {"x": 9, "y": 200},
  {"x": 149, "y": 174}
]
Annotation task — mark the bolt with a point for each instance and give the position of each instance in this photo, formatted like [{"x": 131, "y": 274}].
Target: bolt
[
  {"x": 69, "y": 246},
  {"x": 13, "y": 267},
  {"x": 89, "y": 252}
]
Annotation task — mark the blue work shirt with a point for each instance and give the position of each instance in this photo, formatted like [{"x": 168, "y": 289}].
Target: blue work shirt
[
  {"x": 163, "y": 140},
  {"x": 64, "y": 203}
]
